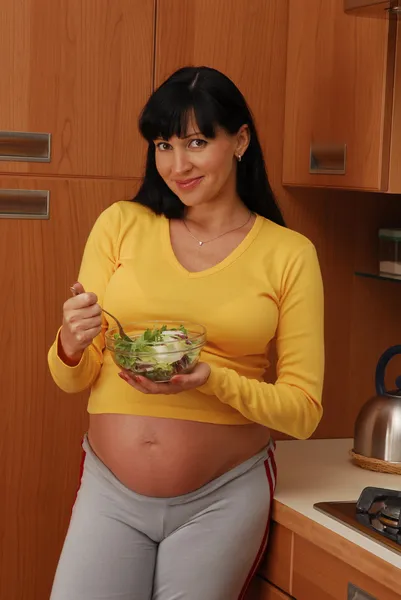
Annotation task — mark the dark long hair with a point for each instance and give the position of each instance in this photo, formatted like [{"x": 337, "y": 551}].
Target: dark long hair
[{"x": 215, "y": 101}]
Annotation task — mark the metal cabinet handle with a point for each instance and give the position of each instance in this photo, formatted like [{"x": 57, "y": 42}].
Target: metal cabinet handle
[
  {"x": 24, "y": 204},
  {"x": 25, "y": 146},
  {"x": 394, "y": 8},
  {"x": 355, "y": 593},
  {"x": 327, "y": 159}
]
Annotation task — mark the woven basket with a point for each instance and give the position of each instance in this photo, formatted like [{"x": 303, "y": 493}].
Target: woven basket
[{"x": 375, "y": 464}]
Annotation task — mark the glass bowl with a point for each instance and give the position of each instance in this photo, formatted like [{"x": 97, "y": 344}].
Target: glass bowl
[{"x": 159, "y": 349}]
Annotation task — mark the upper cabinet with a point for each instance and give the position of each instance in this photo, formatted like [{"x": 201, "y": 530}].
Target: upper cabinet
[
  {"x": 244, "y": 40},
  {"x": 343, "y": 96},
  {"x": 81, "y": 72}
]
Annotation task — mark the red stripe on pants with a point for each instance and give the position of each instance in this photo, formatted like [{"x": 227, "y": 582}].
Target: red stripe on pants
[{"x": 271, "y": 477}]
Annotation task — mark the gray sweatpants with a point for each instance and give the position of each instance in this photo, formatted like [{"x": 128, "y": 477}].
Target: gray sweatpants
[{"x": 204, "y": 545}]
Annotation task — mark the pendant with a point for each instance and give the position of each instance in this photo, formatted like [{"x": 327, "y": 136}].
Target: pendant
[{"x": 200, "y": 243}]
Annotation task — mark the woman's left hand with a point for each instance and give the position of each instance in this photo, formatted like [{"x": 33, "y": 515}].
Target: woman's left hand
[{"x": 178, "y": 383}]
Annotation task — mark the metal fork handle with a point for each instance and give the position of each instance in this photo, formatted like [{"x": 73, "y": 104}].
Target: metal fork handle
[{"x": 120, "y": 327}]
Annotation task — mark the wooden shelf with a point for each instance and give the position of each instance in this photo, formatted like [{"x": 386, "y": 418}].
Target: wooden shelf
[{"x": 393, "y": 278}]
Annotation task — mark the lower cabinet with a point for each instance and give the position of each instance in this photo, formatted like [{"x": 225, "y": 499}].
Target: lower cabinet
[
  {"x": 318, "y": 575},
  {"x": 263, "y": 590},
  {"x": 274, "y": 574},
  {"x": 295, "y": 568},
  {"x": 276, "y": 565}
]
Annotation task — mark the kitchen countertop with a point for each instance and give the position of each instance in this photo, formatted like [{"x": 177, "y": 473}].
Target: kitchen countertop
[{"x": 321, "y": 471}]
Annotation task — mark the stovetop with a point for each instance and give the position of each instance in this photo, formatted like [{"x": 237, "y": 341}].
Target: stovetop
[{"x": 377, "y": 515}]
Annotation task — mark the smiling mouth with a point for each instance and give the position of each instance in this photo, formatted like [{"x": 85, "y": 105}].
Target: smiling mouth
[{"x": 189, "y": 184}]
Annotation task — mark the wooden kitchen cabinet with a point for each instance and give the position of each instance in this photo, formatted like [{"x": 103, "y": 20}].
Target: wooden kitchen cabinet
[
  {"x": 244, "y": 40},
  {"x": 343, "y": 99},
  {"x": 276, "y": 565},
  {"x": 80, "y": 71},
  {"x": 322, "y": 576},
  {"x": 263, "y": 590},
  {"x": 296, "y": 567},
  {"x": 40, "y": 426}
]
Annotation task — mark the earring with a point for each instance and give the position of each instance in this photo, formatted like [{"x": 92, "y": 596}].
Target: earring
[{"x": 239, "y": 157}]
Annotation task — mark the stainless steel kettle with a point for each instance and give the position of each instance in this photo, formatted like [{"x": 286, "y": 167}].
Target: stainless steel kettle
[{"x": 378, "y": 426}]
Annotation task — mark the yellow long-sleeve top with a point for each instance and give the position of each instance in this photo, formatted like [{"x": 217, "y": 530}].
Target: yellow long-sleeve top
[{"x": 269, "y": 286}]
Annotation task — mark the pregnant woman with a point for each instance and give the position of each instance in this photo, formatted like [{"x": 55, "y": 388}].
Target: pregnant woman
[{"x": 178, "y": 477}]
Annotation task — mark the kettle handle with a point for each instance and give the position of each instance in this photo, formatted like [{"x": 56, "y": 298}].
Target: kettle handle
[{"x": 381, "y": 368}]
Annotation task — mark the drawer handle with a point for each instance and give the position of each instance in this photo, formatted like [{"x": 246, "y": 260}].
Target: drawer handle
[
  {"x": 355, "y": 593},
  {"x": 328, "y": 159},
  {"x": 394, "y": 10},
  {"x": 24, "y": 204},
  {"x": 25, "y": 146}
]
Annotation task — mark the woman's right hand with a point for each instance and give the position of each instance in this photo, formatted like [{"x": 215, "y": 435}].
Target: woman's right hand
[{"x": 82, "y": 322}]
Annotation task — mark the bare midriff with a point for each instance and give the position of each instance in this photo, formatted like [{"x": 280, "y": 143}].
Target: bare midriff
[{"x": 164, "y": 458}]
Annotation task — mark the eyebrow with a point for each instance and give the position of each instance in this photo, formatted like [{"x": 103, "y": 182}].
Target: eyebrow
[
  {"x": 191, "y": 134},
  {"x": 185, "y": 137}
]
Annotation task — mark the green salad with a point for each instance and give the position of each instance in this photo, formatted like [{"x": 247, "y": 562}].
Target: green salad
[{"x": 157, "y": 354}]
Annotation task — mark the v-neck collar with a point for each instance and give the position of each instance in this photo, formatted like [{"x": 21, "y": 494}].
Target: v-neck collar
[{"x": 230, "y": 258}]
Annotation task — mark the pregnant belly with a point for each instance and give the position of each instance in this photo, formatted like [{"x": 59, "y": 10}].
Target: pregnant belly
[{"x": 168, "y": 457}]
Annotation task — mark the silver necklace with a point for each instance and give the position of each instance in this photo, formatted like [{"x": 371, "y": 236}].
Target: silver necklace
[{"x": 201, "y": 243}]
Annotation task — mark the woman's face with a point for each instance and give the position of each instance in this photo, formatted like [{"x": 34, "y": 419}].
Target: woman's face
[{"x": 199, "y": 169}]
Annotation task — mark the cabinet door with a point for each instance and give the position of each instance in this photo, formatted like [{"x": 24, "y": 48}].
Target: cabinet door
[
  {"x": 338, "y": 97},
  {"x": 263, "y": 590},
  {"x": 244, "y": 40},
  {"x": 80, "y": 71},
  {"x": 40, "y": 426},
  {"x": 320, "y": 575},
  {"x": 276, "y": 565}
]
